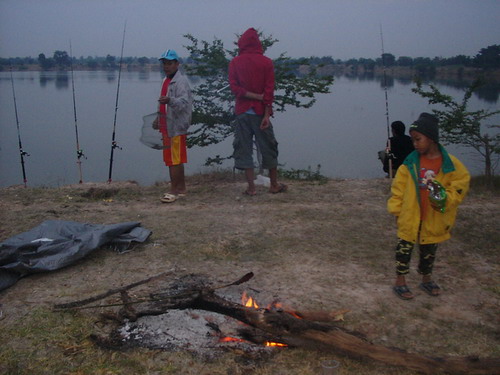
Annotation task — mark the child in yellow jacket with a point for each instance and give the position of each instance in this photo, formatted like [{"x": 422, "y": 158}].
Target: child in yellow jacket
[{"x": 426, "y": 192}]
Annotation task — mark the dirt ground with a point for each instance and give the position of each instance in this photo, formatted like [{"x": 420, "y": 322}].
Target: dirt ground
[{"x": 318, "y": 246}]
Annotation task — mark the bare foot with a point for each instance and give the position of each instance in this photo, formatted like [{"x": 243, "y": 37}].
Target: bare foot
[
  {"x": 279, "y": 188},
  {"x": 179, "y": 193}
]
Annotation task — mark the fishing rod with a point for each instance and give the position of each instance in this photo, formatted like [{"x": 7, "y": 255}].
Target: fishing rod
[
  {"x": 388, "y": 146},
  {"x": 79, "y": 151},
  {"x": 114, "y": 144},
  {"x": 21, "y": 151}
]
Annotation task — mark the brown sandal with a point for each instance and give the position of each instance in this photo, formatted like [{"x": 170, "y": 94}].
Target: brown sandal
[
  {"x": 431, "y": 288},
  {"x": 400, "y": 290}
]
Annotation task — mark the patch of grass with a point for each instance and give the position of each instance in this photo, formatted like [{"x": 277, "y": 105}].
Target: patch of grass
[
  {"x": 219, "y": 249},
  {"x": 494, "y": 289},
  {"x": 303, "y": 174},
  {"x": 100, "y": 193},
  {"x": 43, "y": 339},
  {"x": 481, "y": 184},
  {"x": 477, "y": 335},
  {"x": 483, "y": 239},
  {"x": 45, "y": 342}
]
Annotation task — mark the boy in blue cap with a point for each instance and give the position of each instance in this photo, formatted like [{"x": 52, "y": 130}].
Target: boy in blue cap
[
  {"x": 426, "y": 192},
  {"x": 174, "y": 117}
]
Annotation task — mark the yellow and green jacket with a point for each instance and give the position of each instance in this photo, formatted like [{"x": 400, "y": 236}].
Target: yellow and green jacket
[{"x": 405, "y": 199}]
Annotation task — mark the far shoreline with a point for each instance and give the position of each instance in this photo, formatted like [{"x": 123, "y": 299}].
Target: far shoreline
[{"x": 460, "y": 73}]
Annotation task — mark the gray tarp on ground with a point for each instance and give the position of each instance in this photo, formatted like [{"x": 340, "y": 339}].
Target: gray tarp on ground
[{"x": 55, "y": 244}]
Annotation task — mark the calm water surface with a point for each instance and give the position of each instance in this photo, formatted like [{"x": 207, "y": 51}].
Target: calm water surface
[{"x": 342, "y": 132}]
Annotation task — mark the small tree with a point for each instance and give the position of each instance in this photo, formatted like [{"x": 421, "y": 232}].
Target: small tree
[
  {"x": 61, "y": 58},
  {"x": 489, "y": 57},
  {"x": 460, "y": 126},
  {"x": 213, "y": 106},
  {"x": 45, "y": 63},
  {"x": 143, "y": 60},
  {"x": 388, "y": 59},
  {"x": 110, "y": 62},
  {"x": 404, "y": 61}
]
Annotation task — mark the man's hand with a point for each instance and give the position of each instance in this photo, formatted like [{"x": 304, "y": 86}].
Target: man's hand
[
  {"x": 164, "y": 100},
  {"x": 254, "y": 96},
  {"x": 265, "y": 119},
  {"x": 265, "y": 123}
]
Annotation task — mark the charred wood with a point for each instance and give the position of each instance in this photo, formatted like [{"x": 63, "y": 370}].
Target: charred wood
[{"x": 309, "y": 330}]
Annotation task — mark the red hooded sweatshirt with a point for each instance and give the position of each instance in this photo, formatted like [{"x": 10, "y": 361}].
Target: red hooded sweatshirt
[{"x": 251, "y": 71}]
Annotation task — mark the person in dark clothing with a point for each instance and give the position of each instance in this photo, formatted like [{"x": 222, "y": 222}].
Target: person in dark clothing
[{"x": 401, "y": 146}]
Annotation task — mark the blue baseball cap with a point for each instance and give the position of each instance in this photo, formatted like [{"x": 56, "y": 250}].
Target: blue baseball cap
[{"x": 169, "y": 54}]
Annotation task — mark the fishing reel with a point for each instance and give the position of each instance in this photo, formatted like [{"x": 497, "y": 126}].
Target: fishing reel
[
  {"x": 80, "y": 154},
  {"x": 114, "y": 145}
]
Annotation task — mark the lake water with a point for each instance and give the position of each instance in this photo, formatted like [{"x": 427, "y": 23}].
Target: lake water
[{"x": 342, "y": 132}]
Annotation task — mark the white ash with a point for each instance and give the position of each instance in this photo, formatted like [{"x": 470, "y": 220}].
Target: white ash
[{"x": 197, "y": 331}]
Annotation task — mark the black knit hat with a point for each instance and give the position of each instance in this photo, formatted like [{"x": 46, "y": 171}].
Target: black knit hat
[{"x": 427, "y": 124}]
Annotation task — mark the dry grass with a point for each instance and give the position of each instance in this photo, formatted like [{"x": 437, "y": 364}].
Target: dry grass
[{"x": 318, "y": 246}]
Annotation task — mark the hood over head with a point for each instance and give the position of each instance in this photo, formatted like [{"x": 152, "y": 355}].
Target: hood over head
[{"x": 249, "y": 42}]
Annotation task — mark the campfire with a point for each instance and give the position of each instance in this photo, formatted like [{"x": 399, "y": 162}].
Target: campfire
[
  {"x": 251, "y": 303},
  {"x": 201, "y": 332},
  {"x": 186, "y": 313}
]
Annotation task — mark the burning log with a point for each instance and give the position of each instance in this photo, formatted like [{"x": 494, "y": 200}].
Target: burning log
[
  {"x": 311, "y": 330},
  {"x": 283, "y": 327}
]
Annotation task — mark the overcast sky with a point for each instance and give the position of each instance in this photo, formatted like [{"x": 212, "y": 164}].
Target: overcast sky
[{"x": 339, "y": 28}]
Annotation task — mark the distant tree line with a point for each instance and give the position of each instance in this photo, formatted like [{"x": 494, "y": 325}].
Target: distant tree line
[
  {"x": 487, "y": 58},
  {"x": 62, "y": 60}
]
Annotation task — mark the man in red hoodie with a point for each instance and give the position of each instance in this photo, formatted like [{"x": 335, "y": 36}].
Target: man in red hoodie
[{"x": 251, "y": 77}]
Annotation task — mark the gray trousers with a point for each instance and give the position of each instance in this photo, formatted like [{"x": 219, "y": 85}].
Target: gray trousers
[{"x": 247, "y": 130}]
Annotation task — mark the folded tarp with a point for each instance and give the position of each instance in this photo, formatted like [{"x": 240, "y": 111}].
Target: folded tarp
[{"x": 55, "y": 244}]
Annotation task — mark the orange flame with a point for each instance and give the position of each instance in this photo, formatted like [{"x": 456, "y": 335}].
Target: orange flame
[
  {"x": 230, "y": 339},
  {"x": 248, "y": 301},
  {"x": 275, "y": 305},
  {"x": 275, "y": 344},
  {"x": 294, "y": 314}
]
